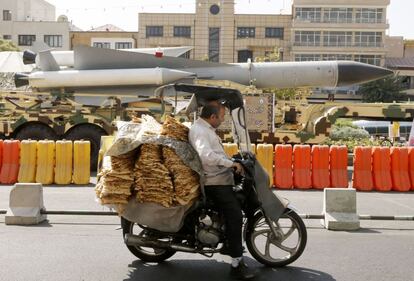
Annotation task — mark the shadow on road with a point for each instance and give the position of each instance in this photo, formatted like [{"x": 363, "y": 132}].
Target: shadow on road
[{"x": 212, "y": 270}]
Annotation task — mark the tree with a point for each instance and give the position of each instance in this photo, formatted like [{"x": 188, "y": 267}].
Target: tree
[
  {"x": 6, "y": 45},
  {"x": 272, "y": 56},
  {"x": 388, "y": 89}
]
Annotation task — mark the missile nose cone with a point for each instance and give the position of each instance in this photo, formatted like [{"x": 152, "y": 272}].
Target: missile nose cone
[
  {"x": 350, "y": 72},
  {"x": 29, "y": 57},
  {"x": 21, "y": 79}
]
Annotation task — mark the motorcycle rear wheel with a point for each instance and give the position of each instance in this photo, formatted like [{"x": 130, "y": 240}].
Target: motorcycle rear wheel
[
  {"x": 146, "y": 254},
  {"x": 281, "y": 250}
]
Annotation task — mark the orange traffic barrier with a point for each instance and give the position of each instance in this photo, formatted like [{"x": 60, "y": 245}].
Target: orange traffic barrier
[
  {"x": 399, "y": 169},
  {"x": 283, "y": 174},
  {"x": 381, "y": 168},
  {"x": 362, "y": 176},
  {"x": 338, "y": 159},
  {"x": 264, "y": 154},
  {"x": 320, "y": 166},
  {"x": 302, "y": 167},
  {"x": 11, "y": 156},
  {"x": 411, "y": 165}
]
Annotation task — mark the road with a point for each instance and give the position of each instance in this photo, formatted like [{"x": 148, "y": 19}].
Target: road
[{"x": 91, "y": 248}]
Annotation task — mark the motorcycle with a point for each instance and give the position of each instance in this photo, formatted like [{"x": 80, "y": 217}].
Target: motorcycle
[{"x": 274, "y": 233}]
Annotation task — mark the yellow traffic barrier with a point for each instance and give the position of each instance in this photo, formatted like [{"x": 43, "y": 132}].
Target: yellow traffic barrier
[
  {"x": 106, "y": 142},
  {"x": 45, "y": 162},
  {"x": 63, "y": 167},
  {"x": 230, "y": 149},
  {"x": 81, "y": 162},
  {"x": 264, "y": 154},
  {"x": 27, "y": 170}
]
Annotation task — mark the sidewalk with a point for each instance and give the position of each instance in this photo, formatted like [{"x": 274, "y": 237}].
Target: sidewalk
[{"x": 308, "y": 202}]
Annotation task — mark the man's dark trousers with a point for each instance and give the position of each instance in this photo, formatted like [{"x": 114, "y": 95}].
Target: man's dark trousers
[{"x": 225, "y": 200}]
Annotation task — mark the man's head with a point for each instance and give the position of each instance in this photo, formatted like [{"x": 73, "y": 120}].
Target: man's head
[{"x": 213, "y": 113}]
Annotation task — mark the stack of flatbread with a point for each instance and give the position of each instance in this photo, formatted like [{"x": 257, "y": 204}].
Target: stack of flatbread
[
  {"x": 174, "y": 129},
  {"x": 152, "y": 180},
  {"x": 114, "y": 186},
  {"x": 185, "y": 180}
]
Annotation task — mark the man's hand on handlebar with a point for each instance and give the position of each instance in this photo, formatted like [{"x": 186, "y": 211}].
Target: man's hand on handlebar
[{"x": 238, "y": 168}]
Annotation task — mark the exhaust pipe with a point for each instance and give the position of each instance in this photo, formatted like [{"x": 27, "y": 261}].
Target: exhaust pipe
[
  {"x": 135, "y": 240},
  {"x": 29, "y": 57},
  {"x": 21, "y": 79}
]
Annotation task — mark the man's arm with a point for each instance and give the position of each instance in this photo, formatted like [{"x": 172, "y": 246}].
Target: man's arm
[{"x": 200, "y": 141}]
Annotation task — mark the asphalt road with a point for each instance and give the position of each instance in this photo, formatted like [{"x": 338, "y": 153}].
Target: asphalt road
[{"x": 91, "y": 248}]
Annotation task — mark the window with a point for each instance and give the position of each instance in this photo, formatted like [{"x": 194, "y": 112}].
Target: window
[
  {"x": 307, "y": 57},
  {"x": 307, "y": 38},
  {"x": 308, "y": 14},
  {"x": 105, "y": 45},
  {"x": 154, "y": 31},
  {"x": 7, "y": 16},
  {"x": 337, "y": 39},
  {"x": 368, "y": 39},
  {"x": 123, "y": 45},
  {"x": 182, "y": 31},
  {"x": 244, "y": 55},
  {"x": 365, "y": 15},
  {"x": 214, "y": 44},
  {"x": 337, "y": 15},
  {"x": 336, "y": 57},
  {"x": 7, "y": 37},
  {"x": 246, "y": 32},
  {"x": 274, "y": 32},
  {"x": 370, "y": 59},
  {"x": 26, "y": 40},
  {"x": 53, "y": 40}
]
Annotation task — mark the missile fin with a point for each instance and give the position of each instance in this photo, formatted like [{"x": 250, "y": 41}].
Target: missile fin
[
  {"x": 89, "y": 58},
  {"x": 47, "y": 62}
]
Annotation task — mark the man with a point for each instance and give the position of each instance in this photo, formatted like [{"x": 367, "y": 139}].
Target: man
[{"x": 218, "y": 170}]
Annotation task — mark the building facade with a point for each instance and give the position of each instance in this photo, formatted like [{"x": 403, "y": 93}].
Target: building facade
[
  {"x": 340, "y": 30},
  {"x": 26, "y": 21},
  {"x": 107, "y": 36},
  {"x": 217, "y": 33}
]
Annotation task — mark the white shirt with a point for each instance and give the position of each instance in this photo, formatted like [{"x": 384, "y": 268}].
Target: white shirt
[{"x": 216, "y": 164}]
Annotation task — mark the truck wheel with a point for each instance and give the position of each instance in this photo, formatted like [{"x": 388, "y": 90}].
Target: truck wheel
[
  {"x": 91, "y": 133},
  {"x": 36, "y": 132}
]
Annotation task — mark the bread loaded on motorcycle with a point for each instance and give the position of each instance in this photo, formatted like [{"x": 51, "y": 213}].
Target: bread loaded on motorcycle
[{"x": 154, "y": 178}]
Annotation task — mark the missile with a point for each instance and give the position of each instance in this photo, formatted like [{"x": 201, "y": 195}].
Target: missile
[
  {"x": 101, "y": 68},
  {"x": 101, "y": 78},
  {"x": 295, "y": 74},
  {"x": 66, "y": 58}
]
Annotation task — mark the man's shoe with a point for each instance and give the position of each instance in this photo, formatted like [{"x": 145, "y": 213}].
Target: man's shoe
[{"x": 242, "y": 272}]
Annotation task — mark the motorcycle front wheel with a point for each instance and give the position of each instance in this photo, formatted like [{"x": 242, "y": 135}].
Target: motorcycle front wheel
[
  {"x": 282, "y": 249},
  {"x": 145, "y": 254}
]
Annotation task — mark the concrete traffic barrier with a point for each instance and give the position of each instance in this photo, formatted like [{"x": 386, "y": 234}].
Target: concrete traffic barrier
[
  {"x": 26, "y": 202},
  {"x": 339, "y": 209}
]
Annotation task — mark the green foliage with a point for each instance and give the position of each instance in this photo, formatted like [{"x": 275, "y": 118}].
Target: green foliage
[
  {"x": 344, "y": 122},
  {"x": 388, "y": 89},
  {"x": 6, "y": 45},
  {"x": 352, "y": 143},
  {"x": 284, "y": 94},
  {"x": 345, "y": 132},
  {"x": 273, "y": 56}
]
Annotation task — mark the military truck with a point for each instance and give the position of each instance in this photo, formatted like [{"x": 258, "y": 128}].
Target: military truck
[
  {"x": 25, "y": 115},
  {"x": 296, "y": 121}
]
